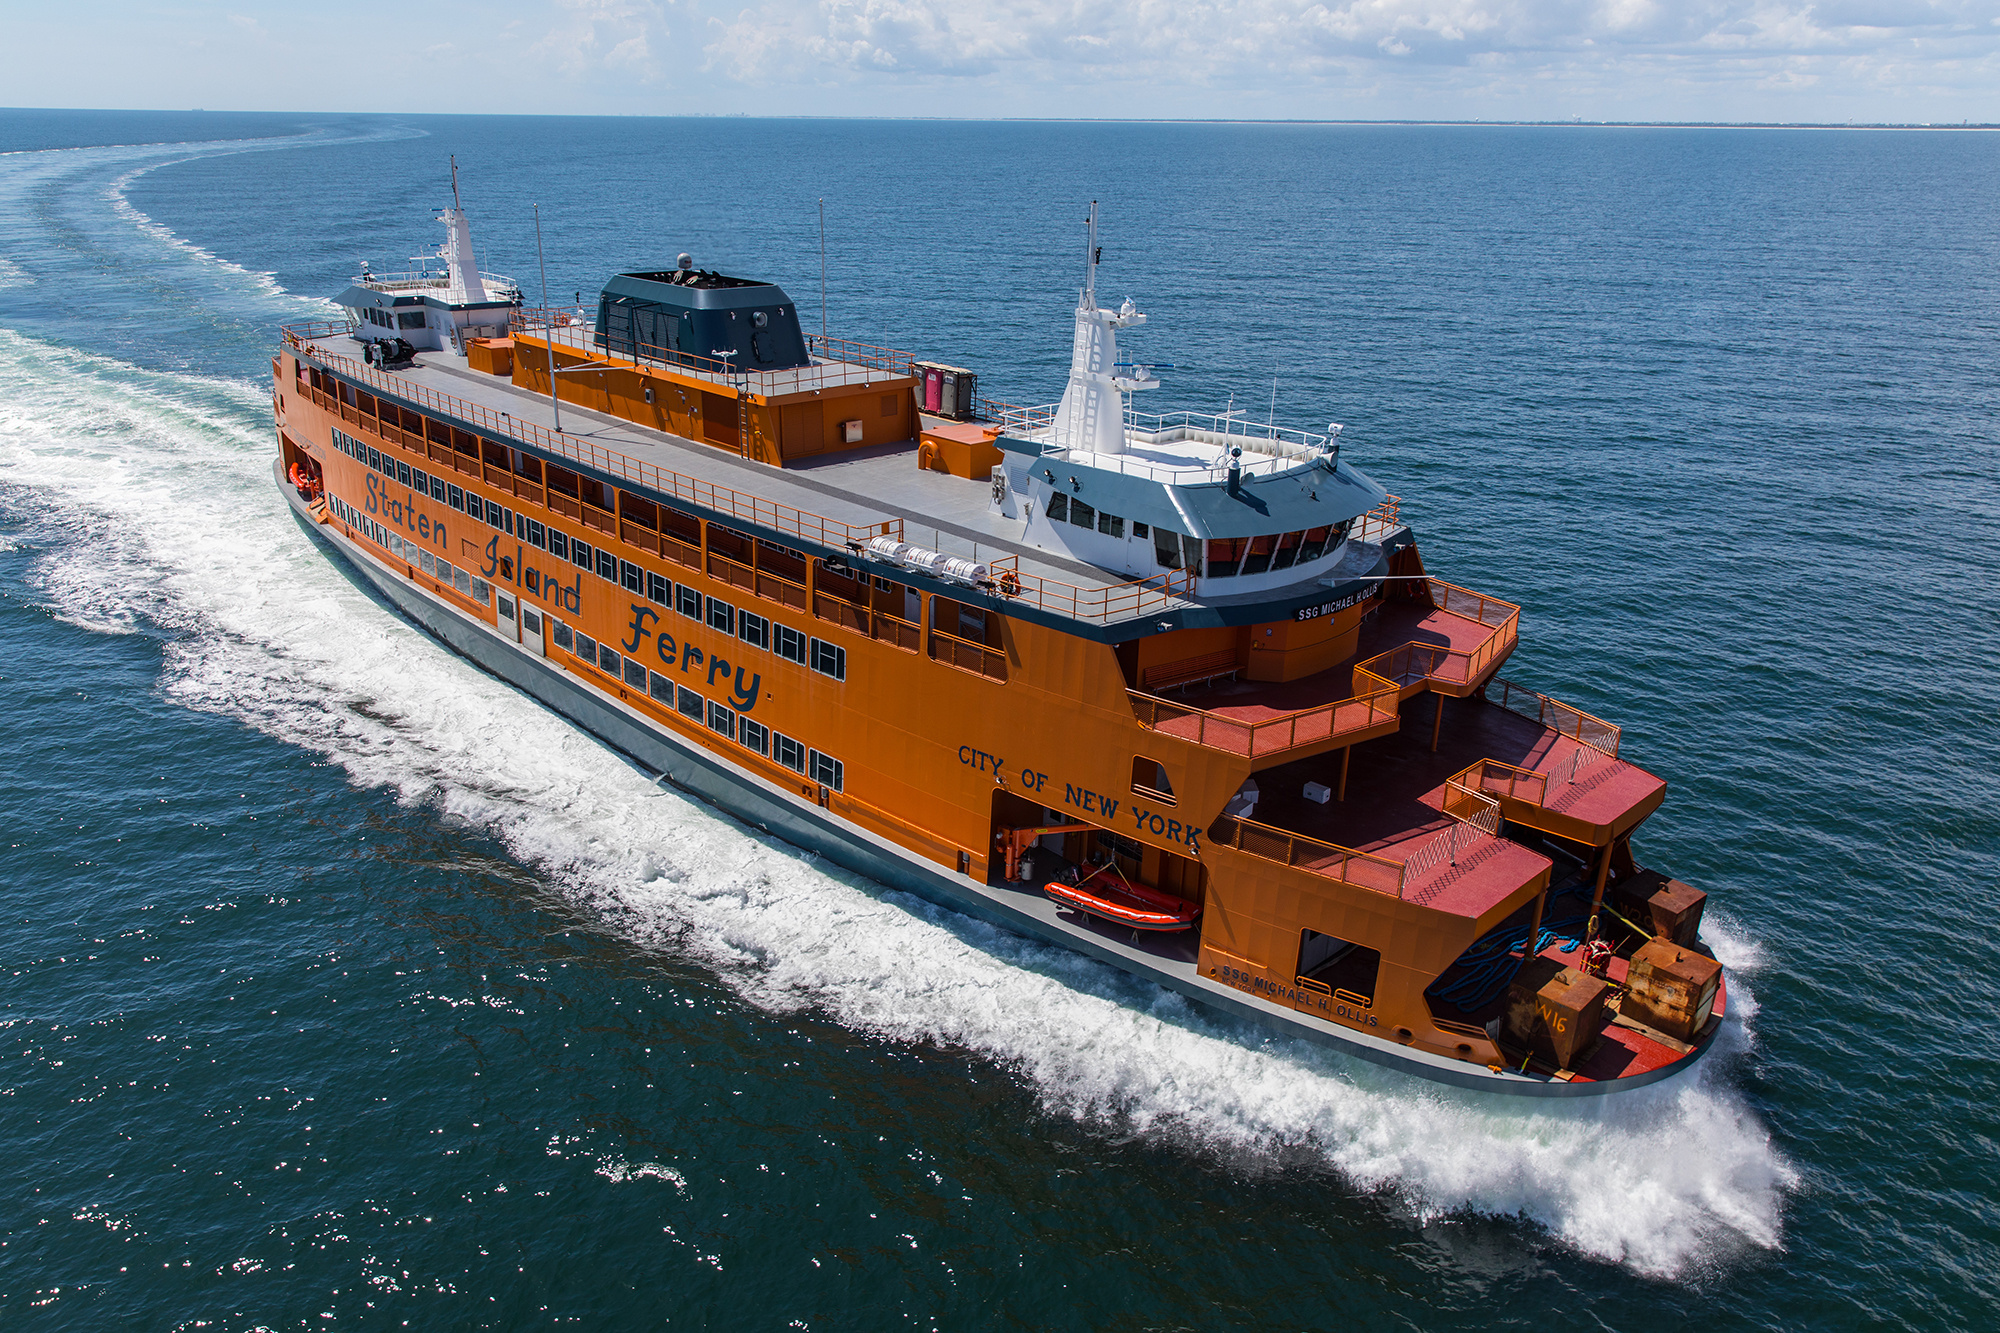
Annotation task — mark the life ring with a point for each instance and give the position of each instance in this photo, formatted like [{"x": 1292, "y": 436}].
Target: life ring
[{"x": 1010, "y": 583}]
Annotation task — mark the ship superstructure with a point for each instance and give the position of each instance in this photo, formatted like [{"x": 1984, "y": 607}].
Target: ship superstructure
[{"x": 1175, "y": 690}]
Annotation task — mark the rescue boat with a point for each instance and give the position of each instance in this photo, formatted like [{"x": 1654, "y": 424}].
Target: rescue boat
[{"x": 1173, "y": 690}]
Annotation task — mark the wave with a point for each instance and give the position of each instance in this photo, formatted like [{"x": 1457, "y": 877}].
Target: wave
[
  {"x": 124, "y": 208},
  {"x": 263, "y": 629}
]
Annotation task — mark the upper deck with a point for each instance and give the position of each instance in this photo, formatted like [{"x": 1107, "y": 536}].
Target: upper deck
[{"x": 836, "y": 504}]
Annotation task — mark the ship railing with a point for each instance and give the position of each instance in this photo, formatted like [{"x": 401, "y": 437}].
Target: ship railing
[
  {"x": 840, "y": 362},
  {"x": 753, "y": 509},
  {"x": 1372, "y": 705},
  {"x": 1564, "y": 719},
  {"x": 427, "y": 280},
  {"x": 1362, "y": 870},
  {"x": 1475, "y": 819},
  {"x": 1378, "y": 523}
]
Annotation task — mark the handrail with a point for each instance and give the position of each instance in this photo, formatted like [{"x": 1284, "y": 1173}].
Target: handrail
[
  {"x": 1378, "y": 522},
  {"x": 1307, "y": 726},
  {"x": 831, "y": 532},
  {"x": 1363, "y": 870},
  {"x": 861, "y": 364},
  {"x": 1474, "y": 814},
  {"x": 1565, "y": 719}
]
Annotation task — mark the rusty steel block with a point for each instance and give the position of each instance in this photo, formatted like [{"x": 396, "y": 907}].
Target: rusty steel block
[
  {"x": 1554, "y": 1011},
  {"x": 1676, "y": 912},
  {"x": 1671, "y": 988}
]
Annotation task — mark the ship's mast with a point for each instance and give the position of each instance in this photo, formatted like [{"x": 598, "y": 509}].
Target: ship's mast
[
  {"x": 1091, "y": 416},
  {"x": 465, "y": 288}
]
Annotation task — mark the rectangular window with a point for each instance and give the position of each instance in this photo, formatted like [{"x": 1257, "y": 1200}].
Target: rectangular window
[
  {"x": 461, "y": 579},
  {"x": 692, "y": 704},
  {"x": 1082, "y": 514},
  {"x": 564, "y": 640},
  {"x": 788, "y": 752},
  {"x": 508, "y": 524},
  {"x": 608, "y": 660},
  {"x": 1111, "y": 525},
  {"x": 829, "y": 659},
  {"x": 721, "y": 719},
  {"x": 410, "y": 319},
  {"x": 826, "y": 772},
  {"x": 635, "y": 674},
  {"x": 558, "y": 545},
  {"x": 1058, "y": 507},
  {"x": 455, "y": 498},
  {"x": 631, "y": 576},
  {"x": 659, "y": 589},
  {"x": 722, "y": 616},
  {"x": 753, "y": 735},
  {"x": 482, "y": 591},
  {"x": 607, "y": 566},
  {"x": 420, "y": 481},
  {"x": 790, "y": 645},
  {"x": 374, "y": 458},
  {"x": 537, "y": 535},
  {"x": 580, "y": 553},
  {"x": 688, "y": 602},
  {"x": 1139, "y": 530},
  {"x": 753, "y": 629},
  {"x": 586, "y": 648},
  {"x": 437, "y": 488},
  {"x": 496, "y": 517},
  {"x": 403, "y": 474},
  {"x": 427, "y": 562},
  {"x": 660, "y": 687}
]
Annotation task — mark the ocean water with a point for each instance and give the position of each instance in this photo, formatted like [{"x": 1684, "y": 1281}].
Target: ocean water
[{"x": 341, "y": 985}]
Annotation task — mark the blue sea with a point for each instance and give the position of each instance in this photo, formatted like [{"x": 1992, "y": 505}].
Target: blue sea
[{"x": 343, "y": 986}]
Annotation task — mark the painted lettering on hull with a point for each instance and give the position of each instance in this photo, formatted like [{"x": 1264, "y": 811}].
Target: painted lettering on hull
[
  {"x": 1100, "y": 806},
  {"x": 401, "y": 510},
  {"x": 1293, "y": 994}
]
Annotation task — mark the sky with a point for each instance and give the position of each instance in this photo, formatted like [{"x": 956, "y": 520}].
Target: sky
[{"x": 1833, "y": 61}]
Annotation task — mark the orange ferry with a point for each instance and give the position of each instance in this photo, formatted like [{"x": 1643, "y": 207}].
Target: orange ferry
[{"x": 1172, "y": 690}]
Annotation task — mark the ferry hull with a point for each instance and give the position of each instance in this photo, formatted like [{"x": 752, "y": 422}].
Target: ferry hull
[{"x": 805, "y": 824}]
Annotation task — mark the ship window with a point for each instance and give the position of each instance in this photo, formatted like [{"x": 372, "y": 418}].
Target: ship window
[
  {"x": 403, "y": 474},
  {"x": 558, "y": 545},
  {"x": 482, "y": 591},
  {"x": 1139, "y": 530},
  {"x": 1327, "y": 963},
  {"x": 721, "y": 719},
  {"x": 586, "y": 647},
  {"x": 753, "y": 629},
  {"x": 1149, "y": 778},
  {"x": 1058, "y": 507},
  {"x": 537, "y": 535},
  {"x": 374, "y": 458},
  {"x": 1288, "y": 550},
  {"x": 688, "y": 602},
  {"x": 1082, "y": 514},
  {"x": 660, "y": 687},
  {"x": 1225, "y": 557},
  {"x": 462, "y": 580},
  {"x": 753, "y": 735},
  {"x": 788, "y": 752},
  {"x": 692, "y": 704},
  {"x": 789, "y": 643},
  {"x": 827, "y": 772},
  {"x": 722, "y": 616},
  {"x": 437, "y": 488},
  {"x": 631, "y": 576},
  {"x": 427, "y": 562},
  {"x": 635, "y": 674},
  {"x": 410, "y": 319},
  {"x": 608, "y": 660},
  {"x": 580, "y": 553},
  {"x": 1167, "y": 548},
  {"x": 971, "y": 623},
  {"x": 659, "y": 588},
  {"x": 607, "y": 566},
  {"x": 829, "y": 659},
  {"x": 1111, "y": 525},
  {"x": 455, "y": 497},
  {"x": 564, "y": 639}
]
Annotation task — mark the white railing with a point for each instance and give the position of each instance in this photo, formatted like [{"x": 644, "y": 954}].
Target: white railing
[{"x": 1266, "y": 450}]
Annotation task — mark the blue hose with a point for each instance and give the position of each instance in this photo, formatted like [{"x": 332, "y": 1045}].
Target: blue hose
[{"x": 1493, "y": 960}]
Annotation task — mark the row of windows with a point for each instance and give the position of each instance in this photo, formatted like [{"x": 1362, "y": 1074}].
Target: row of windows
[
  {"x": 758, "y": 631},
  {"x": 406, "y": 319},
  {"x": 716, "y": 716},
  {"x": 477, "y": 589}
]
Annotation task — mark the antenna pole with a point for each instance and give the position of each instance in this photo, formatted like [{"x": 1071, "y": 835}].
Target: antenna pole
[
  {"x": 454, "y": 184},
  {"x": 548, "y": 327},
  {"x": 823, "y": 349},
  {"x": 1271, "y": 422},
  {"x": 1090, "y": 260}
]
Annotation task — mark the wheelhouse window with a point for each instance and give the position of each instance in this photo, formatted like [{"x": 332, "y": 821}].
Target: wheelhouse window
[
  {"x": 1059, "y": 507},
  {"x": 1082, "y": 514}
]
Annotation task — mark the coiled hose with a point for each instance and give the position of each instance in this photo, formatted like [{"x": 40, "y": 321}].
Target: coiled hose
[{"x": 1491, "y": 962}]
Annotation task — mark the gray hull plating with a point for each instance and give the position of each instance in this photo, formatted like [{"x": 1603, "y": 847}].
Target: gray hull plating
[{"x": 806, "y": 824}]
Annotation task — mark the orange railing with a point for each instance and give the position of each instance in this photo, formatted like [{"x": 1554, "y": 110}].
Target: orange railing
[
  {"x": 1363, "y": 870},
  {"x": 1475, "y": 819},
  {"x": 842, "y": 361},
  {"x": 736, "y": 504},
  {"x": 1378, "y": 522},
  {"x": 1560, "y": 717},
  {"x": 1275, "y": 735}
]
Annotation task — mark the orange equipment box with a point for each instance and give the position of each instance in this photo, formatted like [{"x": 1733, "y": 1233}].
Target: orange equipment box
[
  {"x": 495, "y": 356},
  {"x": 962, "y": 448}
]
